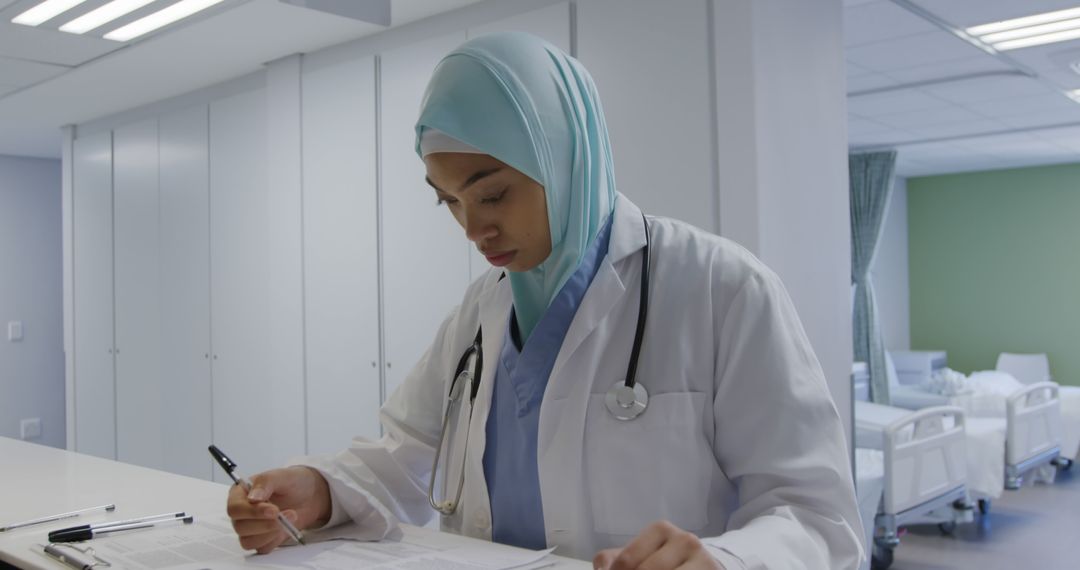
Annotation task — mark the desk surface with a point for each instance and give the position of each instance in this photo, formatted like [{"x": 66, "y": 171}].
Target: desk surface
[{"x": 36, "y": 481}]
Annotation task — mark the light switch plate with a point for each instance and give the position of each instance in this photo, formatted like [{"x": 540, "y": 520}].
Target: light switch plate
[
  {"x": 30, "y": 428},
  {"x": 15, "y": 333}
]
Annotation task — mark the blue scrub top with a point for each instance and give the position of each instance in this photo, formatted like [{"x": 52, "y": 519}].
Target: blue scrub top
[{"x": 517, "y": 513}]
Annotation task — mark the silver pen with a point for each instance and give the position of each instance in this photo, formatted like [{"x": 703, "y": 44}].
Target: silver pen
[
  {"x": 230, "y": 469},
  {"x": 61, "y": 516}
]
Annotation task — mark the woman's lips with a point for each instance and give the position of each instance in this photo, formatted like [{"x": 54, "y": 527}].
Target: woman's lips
[{"x": 500, "y": 259}]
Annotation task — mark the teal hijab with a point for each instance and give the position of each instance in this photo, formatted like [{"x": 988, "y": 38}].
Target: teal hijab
[{"x": 530, "y": 105}]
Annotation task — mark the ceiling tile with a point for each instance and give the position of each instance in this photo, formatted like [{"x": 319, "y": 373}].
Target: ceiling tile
[
  {"x": 876, "y": 104},
  {"x": 1043, "y": 118},
  {"x": 911, "y": 51},
  {"x": 965, "y": 128},
  {"x": 857, "y": 126},
  {"x": 1024, "y": 105},
  {"x": 886, "y": 137},
  {"x": 940, "y": 69},
  {"x": 1067, "y": 137},
  {"x": 967, "y": 13},
  {"x": 853, "y": 69},
  {"x": 988, "y": 88},
  {"x": 1012, "y": 145},
  {"x": 879, "y": 21},
  {"x": 51, "y": 46},
  {"x": 21, "y": 73},
  {"x": 869, "y": 81},
  {"x": 927, "y": 117}
]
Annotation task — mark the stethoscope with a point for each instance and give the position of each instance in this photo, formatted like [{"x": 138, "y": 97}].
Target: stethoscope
[{"x": 625, "y": 400}]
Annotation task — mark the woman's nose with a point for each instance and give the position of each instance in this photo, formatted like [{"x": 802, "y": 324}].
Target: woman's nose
[{"x": 478, "y": 228}]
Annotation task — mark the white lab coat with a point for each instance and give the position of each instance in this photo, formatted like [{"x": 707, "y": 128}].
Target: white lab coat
[{"x": 740, "y": 444}]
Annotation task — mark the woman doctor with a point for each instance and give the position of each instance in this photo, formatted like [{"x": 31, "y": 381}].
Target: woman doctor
[{"x": 728, "y": 451}]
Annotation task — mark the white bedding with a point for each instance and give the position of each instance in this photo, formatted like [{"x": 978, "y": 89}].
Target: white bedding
[{"x": 984, "y": 394}]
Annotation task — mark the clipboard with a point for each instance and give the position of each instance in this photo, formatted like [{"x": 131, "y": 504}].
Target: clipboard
[{"x": 73, "y": 556}]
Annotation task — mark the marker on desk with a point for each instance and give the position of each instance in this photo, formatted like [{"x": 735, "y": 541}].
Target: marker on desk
[
  {"x": 79, "y": 534},
  {"x": 58, "y": 535},
  {"x": 230, "y": 469},
  {"x": 61, "y": 516}
]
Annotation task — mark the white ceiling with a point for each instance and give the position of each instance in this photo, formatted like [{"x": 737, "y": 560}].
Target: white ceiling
[
  {"x": 50, "y": 78},
  {"x": 947, "y": 106}
]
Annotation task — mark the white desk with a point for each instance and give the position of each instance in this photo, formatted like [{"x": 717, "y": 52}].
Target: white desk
[{"x": 36, "y": 481}]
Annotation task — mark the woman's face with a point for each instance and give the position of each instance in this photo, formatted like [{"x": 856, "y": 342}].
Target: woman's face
[{"x": 501, "y": 210}]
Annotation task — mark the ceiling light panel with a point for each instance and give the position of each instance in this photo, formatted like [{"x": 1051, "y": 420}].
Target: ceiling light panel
[
  {"x": 103, "y": 15},
  {"x": 1039, "y": 29},
  {"x": 1024, "y": 22},
  {"x": 45, "y": 11},
  {"x": 160, "y": 19}
]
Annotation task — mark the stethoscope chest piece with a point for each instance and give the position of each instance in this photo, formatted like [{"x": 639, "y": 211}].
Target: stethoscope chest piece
[{"x": 626, "y": 403}]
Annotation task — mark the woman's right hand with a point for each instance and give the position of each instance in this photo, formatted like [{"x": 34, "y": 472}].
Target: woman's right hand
[{"x": 300, "y": 493}]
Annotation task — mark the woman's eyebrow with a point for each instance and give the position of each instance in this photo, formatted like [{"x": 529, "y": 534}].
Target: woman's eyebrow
[{"x": 476, "y": 177}]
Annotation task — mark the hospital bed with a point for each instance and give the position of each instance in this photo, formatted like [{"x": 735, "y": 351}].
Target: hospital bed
[
  {"x": 1031, "y": 414},
  {"x": 912, "y": 467}
]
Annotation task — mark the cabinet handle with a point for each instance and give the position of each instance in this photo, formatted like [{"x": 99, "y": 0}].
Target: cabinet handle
[
  {"x": 207, "y": 355},
  {"x": 110, "y": 351},
  {"x": 373, "y": 364},
  {"x": 215, "y": 357},
  {"x": 388, "y": 365}
]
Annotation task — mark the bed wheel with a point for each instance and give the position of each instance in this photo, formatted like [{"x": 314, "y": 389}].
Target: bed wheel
[
  {"x": 947, "y": 527},
  {"x": 1063, "y": 463},
  {"x": 984, "y": 506},
  {"x": 881, "y": 558}
]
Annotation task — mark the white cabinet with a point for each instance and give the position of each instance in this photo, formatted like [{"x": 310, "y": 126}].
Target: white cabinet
[
  {"x": 139, "y": 398},
  {"x": 257, "y": 379},
  {"x": 341, "y": 286},
  {"x": 425, "y": 253},
  {"x": 184, "y": 246},
  {"x": 92, "y": 269},
  {"x": 650, "y": 62}
]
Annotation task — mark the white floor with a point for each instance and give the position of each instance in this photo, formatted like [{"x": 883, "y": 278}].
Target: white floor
[{"x": 1035, "y": 527}]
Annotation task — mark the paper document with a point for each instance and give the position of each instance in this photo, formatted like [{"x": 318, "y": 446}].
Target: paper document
[{"x": 210, "y": 543}]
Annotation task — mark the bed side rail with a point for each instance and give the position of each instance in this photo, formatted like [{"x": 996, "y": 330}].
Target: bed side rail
[
  {"x": 1034, "y": 416},
  {"x": 925, "y": 457}
]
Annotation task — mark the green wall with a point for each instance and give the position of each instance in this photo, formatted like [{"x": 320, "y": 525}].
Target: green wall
[{"x": 995, "y": 266}]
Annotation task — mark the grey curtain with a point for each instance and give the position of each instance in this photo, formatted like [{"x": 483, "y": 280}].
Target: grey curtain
[{"x": 871, "y": 177}]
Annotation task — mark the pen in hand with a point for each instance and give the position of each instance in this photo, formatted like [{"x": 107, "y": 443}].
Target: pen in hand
[{"x": 230, "y": 469}]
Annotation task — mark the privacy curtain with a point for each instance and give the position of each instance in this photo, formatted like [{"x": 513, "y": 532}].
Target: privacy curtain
[{"x": 871, "y": 177}]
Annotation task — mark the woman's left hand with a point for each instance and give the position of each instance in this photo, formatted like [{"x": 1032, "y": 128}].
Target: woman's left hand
[{"x": 660, "y": 546}]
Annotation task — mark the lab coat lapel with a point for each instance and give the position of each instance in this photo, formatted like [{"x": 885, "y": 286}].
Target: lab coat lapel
[
  {"x": 608, "y": 286},
  {"x": 560, "y": 440}
]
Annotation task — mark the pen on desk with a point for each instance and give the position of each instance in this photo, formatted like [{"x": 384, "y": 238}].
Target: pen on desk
[
  {"x": 80, "y": 534},
  {"x": 61, "y": 516},
  {"x": 230, "y": 469},
  {"x": 85, "y": 527}
]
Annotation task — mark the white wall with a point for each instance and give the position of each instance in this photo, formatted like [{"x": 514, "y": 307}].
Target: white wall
[
  {"x": 32, "y": 370},
  {"x": 782, "y": 155},
  {"x": 890, "y": 273}
]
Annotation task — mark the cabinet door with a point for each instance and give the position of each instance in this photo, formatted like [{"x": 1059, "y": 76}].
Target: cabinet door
[
  {"x": 258, "y": 413},
  {"x": 95, "y": 411},
  {"x": 340, "y": 252},
  {"x": 649, "y": 61},
  {"x": 425, "y": 253},
  {"x": 139, "y": 402},
  {"x": 185, "y": 291}
]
